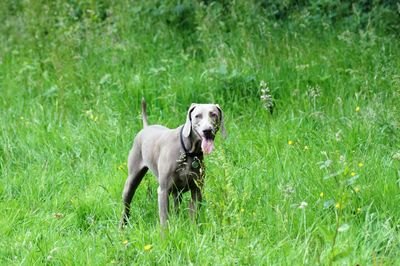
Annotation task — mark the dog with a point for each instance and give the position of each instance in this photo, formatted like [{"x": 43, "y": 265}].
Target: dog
[{"x": 174, "y": 156}]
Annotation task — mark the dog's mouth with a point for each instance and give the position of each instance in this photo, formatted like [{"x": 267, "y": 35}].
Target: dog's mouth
[{"x": 207, "y": 141}]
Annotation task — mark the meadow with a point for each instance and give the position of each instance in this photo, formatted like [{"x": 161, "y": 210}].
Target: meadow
[{"x": 315, "y": 182}]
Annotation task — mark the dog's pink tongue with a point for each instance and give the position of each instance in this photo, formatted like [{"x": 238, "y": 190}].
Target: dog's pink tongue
[{"x": 207, "y": 145}]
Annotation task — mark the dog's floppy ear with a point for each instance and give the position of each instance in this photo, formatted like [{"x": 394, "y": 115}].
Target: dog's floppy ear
[
  {"x": 188, "y": 125},
  {"x": 221, "y": 121}
]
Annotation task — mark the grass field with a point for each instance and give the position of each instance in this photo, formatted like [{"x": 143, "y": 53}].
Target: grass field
[{"x": 317, "y": 182}]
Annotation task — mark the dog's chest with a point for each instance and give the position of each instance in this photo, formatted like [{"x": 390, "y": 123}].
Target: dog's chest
[{"x": 189, "y": 171}]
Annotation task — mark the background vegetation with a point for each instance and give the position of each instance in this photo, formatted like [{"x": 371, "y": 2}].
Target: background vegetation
[{"x": 316, "y": 182}]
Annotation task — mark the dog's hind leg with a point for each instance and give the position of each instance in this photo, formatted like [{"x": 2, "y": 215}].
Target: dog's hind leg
[{"x": 135, "y": 175}]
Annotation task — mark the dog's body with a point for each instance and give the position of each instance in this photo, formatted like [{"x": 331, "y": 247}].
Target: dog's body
[{"x": 174, "y": 156}]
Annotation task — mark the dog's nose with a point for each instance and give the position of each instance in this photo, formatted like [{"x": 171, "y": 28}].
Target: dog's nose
[{"x": 207, "y": 132}]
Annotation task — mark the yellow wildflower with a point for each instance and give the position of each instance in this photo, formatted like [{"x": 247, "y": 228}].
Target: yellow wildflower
[
  {"x": 321, "y": 194},
  {"x": 337, "y": 206},
  {"x": 241, "y": 210},
  {"x": 125, "y": 242},
  {"x": 353, "y": 173},
  {"x": 148, "y": 247},
  {"x": 290, "y": 142},
  {"x": 360, "y": 164},
  {"x": 358, "y": 109}
]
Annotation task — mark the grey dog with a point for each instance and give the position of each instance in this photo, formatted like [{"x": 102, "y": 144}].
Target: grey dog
[{"x": 174, "y": 156}]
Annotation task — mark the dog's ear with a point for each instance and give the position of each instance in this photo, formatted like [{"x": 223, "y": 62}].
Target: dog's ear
[
  {"x": 221, "y": 121},
  {"x": 187, "y": 128}
]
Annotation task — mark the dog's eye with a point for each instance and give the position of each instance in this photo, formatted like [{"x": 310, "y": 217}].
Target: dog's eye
[
  {"x": 213, "y": 115},
  {"x": 198, "y": 116}
]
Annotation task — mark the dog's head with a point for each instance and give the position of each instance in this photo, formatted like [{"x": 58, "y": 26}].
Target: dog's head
[{"x": 204, "y": 120}]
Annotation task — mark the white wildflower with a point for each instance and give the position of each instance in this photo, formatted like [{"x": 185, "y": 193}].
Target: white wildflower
[
  {"x": 303, "y": 205},
  {"x": 266, "y": 97}
]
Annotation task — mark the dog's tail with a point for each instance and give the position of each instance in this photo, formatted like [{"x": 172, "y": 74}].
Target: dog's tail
[{"x": 144, "y": 115}]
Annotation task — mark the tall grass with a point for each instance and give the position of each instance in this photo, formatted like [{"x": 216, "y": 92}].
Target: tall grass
[{"x": 316, "y": 182}]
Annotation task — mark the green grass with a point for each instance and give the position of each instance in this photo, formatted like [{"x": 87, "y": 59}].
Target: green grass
[{"x": 70, "y": 89}]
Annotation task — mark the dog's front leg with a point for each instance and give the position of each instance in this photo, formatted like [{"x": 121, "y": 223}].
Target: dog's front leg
[
  {"x": 163, "y": 205},
  {"x": 195, "y": 203}
]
